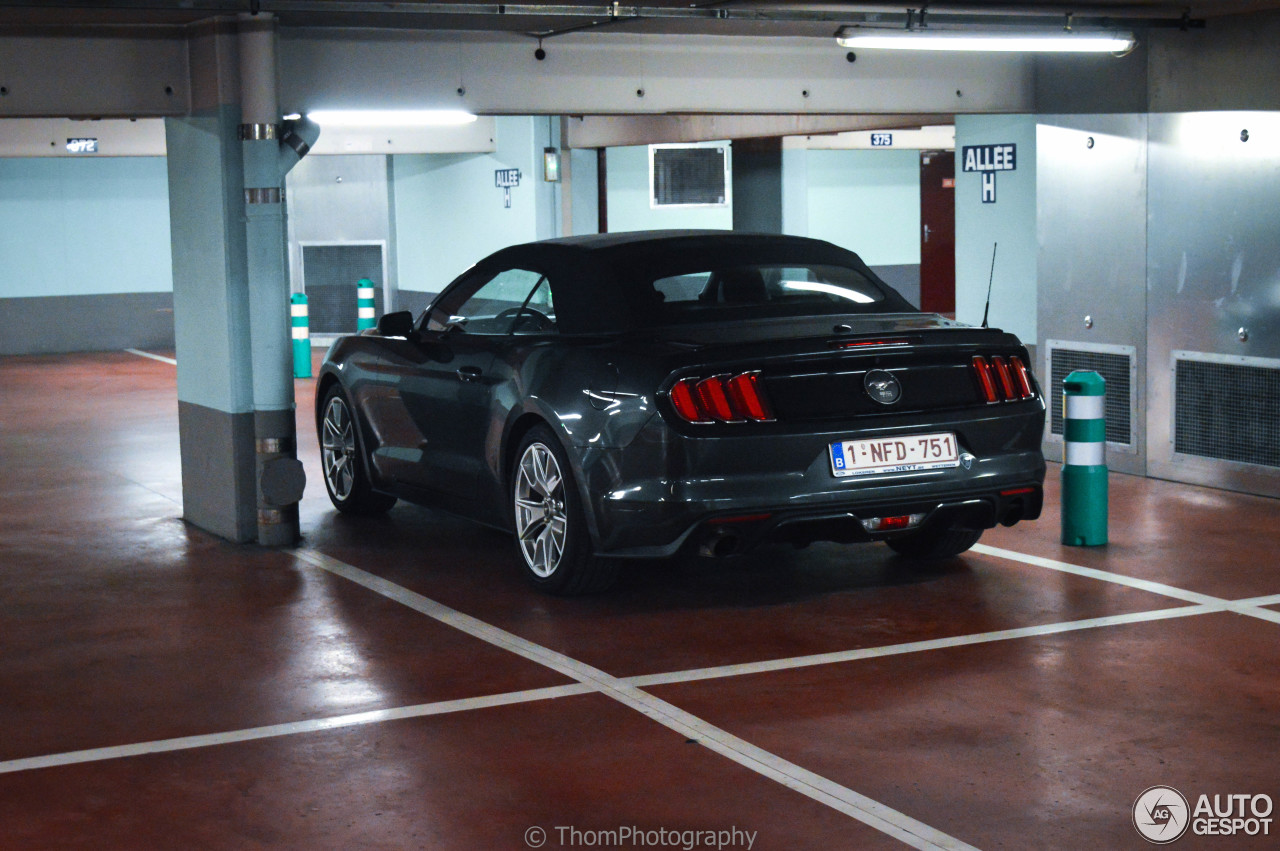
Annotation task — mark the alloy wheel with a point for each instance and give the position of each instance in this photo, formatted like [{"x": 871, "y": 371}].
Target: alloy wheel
[
  {"x": 338, "y": 448},
  {"x": 540, "y": 512}
]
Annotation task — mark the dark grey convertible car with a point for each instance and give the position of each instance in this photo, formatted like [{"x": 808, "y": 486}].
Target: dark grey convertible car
[{"x": 628, "y": 395}]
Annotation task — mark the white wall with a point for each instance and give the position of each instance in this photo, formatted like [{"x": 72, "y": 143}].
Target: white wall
[
  {"x": 627, "y": 176},
  {"x": 89, "y": 226},
  {"x": 449, "y": 214},
  {"x": 1010, "y": 222},
  {"x": 866, "y": 201}
]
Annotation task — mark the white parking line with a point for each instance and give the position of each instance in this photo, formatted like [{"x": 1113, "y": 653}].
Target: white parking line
[
  {"x": 160, "y": 358},
  {"x": 916, "y": 646},
  {"x": 914, "y": 833},
  {"x": 1251, "y": 608},
  {"x": 628, "y": 690},
  {"x": 294, "y": 728}
]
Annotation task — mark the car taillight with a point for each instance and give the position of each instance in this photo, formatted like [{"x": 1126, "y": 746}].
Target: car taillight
[
  {"x": 1023, "y": 376},
  {"x": 1001, "y": 367},
  {"x": 1002, "y": 379},
  {"x": 721, "y": 399}
]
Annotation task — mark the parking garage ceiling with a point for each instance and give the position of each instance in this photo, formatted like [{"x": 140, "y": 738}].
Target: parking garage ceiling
[{"x": 741, "y": 18}]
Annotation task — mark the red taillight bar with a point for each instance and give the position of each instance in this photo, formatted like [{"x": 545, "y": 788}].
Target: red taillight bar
[
  {"x": 1003, "y": 380},
  {"x": 1002, "y": 372},
  {"x": 683, "y": 400},
  {"x": 748, "y": 396},
  {"x": 1023, "y": 377},
  {"x": 714, "y": 398},
  {"x": 721, "y": 399},
  {"x": 983, "y": 370}
]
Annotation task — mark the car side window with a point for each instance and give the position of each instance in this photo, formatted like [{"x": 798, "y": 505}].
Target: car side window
[
  {"x": 539, "y": 313},
  {"x": 501, "y": 305}
]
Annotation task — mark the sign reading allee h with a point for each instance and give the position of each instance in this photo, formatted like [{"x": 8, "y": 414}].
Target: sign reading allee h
[{"x": 989, "y": 159}]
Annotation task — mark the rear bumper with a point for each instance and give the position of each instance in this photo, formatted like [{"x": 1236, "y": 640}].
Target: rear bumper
[
  {"x": 660, "y": 532},
  {"x": 780, "y": 487}
]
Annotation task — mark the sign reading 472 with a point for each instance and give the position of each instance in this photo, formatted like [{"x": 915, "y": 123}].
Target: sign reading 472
[{"x": 987, "y": 160}]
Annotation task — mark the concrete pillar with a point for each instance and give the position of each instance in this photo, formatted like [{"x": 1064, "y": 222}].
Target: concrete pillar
[
  {"x": 757, "y": 185},
  {"x": 240, "y": 475},
  {"x": 211, "y": 294}
]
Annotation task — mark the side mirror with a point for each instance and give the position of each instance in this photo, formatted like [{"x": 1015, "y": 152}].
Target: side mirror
[{"x": 397, "y": 324}]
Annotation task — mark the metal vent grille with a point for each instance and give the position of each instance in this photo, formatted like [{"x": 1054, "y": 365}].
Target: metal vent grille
[
  {"x": 1229, "y": 411},
  {"x": 686, "y": 176},
  {"x": 329, "y": 274},
  {"x": 1116, "y": 368}
]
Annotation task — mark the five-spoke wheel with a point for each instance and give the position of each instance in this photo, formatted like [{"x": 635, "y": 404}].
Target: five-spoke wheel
[
  {"x": 551, "y": 532},
  {"x": 345, "y": 477}
]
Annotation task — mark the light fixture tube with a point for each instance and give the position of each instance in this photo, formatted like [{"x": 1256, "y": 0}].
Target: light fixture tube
[
  {"x": 1056, "y": 41},
  {"x": 391, "y": 117}
]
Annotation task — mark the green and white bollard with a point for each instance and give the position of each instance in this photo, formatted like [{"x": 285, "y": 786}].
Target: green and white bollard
[
  {"x": 1084, "y": 469},
  {"x": 365, "y": 317},
  {"x": 301, "y": 336}
]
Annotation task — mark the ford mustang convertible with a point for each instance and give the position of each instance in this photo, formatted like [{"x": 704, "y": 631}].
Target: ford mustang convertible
[{"x": 630, "y": 395}]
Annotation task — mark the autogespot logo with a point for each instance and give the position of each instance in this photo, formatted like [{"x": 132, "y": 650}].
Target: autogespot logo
[{"x": 1161, "y": 814}]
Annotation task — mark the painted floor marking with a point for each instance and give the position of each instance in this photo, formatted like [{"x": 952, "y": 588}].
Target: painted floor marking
[
  {"x": 627, "y": 690},
  {"x": 841, "y": 656},
  {"x": 160, "y": 358},
  {"x": 294, "y": 728},
  {"x": 1241, "y": 607},
  {"x": 870, "y": 812}
]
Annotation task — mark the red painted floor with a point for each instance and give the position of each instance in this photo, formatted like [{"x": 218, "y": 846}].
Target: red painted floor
[{"x": 120, "y": 625}]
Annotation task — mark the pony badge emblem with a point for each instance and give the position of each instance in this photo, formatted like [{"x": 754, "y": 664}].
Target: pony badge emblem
[{"x": 882, "y": 387}]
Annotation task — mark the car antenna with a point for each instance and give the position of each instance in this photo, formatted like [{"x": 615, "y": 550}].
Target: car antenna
[{"x": 990, "y": 280}]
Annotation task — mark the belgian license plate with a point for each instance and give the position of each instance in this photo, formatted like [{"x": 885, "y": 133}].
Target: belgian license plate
[{"x": 894, "y": 454}]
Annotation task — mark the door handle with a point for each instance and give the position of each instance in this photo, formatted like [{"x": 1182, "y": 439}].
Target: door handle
[
  {"x": 926, "y": 233},
  {"x": 469, "y": 373}
]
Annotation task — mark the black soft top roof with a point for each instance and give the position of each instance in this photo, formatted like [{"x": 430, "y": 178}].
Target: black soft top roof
[{"x": 601, "y": 281}]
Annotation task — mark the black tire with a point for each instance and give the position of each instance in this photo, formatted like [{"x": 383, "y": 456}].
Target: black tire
[
  {"x": 551, "y": 536},
  {"x": 345, "y": 476},
  {"x": 933, "y": 545}
]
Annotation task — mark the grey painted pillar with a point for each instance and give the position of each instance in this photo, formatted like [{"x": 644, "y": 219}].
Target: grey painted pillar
[
  {"x": 240, "y": 475},
  {"x": 757, "y": 185}
]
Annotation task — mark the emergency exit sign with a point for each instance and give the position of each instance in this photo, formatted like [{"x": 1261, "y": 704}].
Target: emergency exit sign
[{"x": 987, "y": 160}]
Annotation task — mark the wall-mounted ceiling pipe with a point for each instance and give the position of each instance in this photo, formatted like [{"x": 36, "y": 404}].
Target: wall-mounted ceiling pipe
[{"x": 269, "y": 152}]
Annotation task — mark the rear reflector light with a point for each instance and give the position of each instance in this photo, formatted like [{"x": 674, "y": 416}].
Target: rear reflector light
[
  {"x": 889, "y": 524},
  {"x": 1017, "y": 491},
  {"x": 745, "y": 518},
  {"x": 1002, "y": 379},
  {"x": 722, "y": 399}
]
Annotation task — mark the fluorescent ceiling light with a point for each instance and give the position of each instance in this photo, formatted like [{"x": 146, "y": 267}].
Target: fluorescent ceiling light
[
  {"x": 391, "y": 117},
  {"x": 1053, "y": 41}
]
